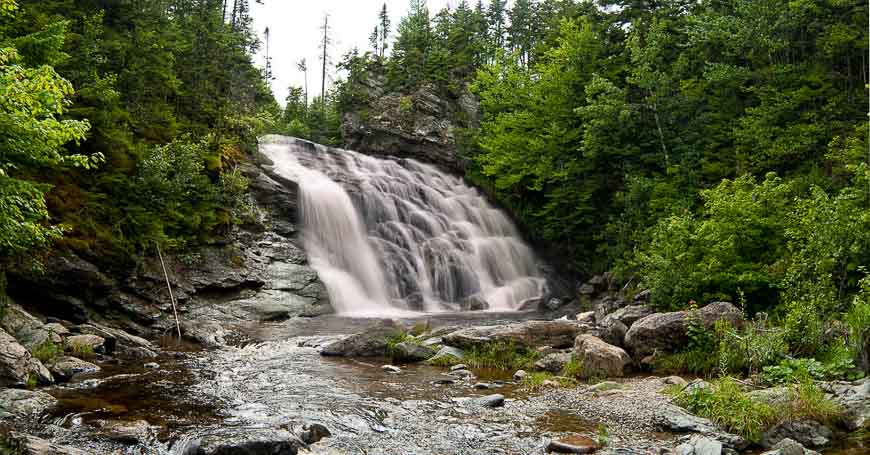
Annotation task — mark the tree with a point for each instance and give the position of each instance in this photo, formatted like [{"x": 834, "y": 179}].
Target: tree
[
  {"x": 384, "y": 29},
  {"x": 32, "y": 135},
  {"x": 324, "y": 46}
]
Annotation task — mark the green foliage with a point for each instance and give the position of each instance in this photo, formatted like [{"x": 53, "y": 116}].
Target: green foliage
[
  {"x": 82, "y": 351},
  {"x": 394, "y": 340},
  {"x": 502, "y": 355},
  {"x": 539, "y": 380},
  {"x": 31, "y": 382},
  {"x": 858, "y": 321},
  {"x": 573, "y": 369},
  {"x": 728, "y": 406},
  {"x": 47, "y": 351},
  {"x": 602, "y": 435}
]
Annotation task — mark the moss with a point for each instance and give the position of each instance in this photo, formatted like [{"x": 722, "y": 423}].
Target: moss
[{"x": 501, "y": 355}]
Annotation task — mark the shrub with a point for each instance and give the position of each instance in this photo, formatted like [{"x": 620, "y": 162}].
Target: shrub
[
  {"x": 502, "y": 355},
  {"x": 858, "y": 320},
  {"x": 806, "y": 401}
]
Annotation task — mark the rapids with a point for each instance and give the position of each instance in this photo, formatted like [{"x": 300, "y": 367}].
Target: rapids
[{"x": 389, "y": 235}]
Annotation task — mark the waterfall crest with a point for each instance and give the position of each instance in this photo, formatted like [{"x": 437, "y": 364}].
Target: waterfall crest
[{"x": 390, "y": 235}]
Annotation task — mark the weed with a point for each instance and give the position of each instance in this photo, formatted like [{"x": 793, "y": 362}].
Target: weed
[
  {"x": 728, "y": 406},
  {"x": 502, "y": 355},
  {"x": 46, "y": 352},
  {"x": 394, "y": 341},
  {"x": 573, "y": 369},
  {"x": 807, "y": 401},
  {"x": 602, "y": 436},
  {"x": 82, "y": 351},
  {"x": 444, "y": 361},
  {"x": 31, "y": 382}
]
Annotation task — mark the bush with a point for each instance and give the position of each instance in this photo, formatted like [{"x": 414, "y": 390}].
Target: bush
[
  {"x": 858, "y": 321},
  {"x": 46, "y": 352}
]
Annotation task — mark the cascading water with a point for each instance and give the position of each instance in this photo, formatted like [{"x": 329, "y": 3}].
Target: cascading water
[{"x": 387, "y": 235}]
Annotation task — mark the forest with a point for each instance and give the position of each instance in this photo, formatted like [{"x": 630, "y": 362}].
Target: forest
[{"x": 703, "y": 150}]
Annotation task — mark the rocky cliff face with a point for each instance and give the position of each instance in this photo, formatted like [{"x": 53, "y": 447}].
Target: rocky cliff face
[
  {"x": 217, "y": 287},
  {"x": 421, "y": 125}
]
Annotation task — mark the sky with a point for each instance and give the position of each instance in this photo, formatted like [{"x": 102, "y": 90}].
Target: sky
[{"x": 294, "y": 26}]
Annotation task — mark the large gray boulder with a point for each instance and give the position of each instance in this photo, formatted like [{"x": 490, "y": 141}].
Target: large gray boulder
[
  {"x": 66, "y": 367},
  {"x": 600, "y": 359},
  {"x": 17, "y": 366},
  {"x": 25, "y": 403},
  {"x": 629, "y": 314},
  {"x": 370, "y": 343},
  {"x": 558, "y": 334},
  {"x": 408, "y": 351},
  {"x": 28, "y": 330},
  {"x": 807, "y": 432},
  {"x": 668, "y": 331},
  {"x": 553, "y": 362},
  {"x": 854, "y": 399}
]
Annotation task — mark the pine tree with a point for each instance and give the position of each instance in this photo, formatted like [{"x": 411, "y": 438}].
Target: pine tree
[{"x": 384, "y": 28}]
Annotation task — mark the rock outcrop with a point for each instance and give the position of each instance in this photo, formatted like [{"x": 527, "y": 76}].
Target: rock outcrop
[
  {"x": 419, "y": 125},
  {"x": 667, "y": 331},
  {"x": 370, "y": 343},
  {"x": 17, "y": 366}
]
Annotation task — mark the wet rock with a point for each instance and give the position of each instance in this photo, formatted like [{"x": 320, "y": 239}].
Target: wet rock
[
  {"x": 25, "y": 403},
  {"x": 483, "y": 386},
  {"x": 370, "y": 343},
  {"x": 278, "y": 305},
  {"x": 407, "y": 351},
  {"x": 391, "y": 369},
  {"x": 66, "y": 367},
  {"x": 84, "y": 343},
  {"x": 459, "y": 366},
  {"x": 565, "y": 447},
  {"x": 301, "y": 280},
  {"x": 474, "y": 303},
  {"x": 790, "y": 447},
  {"x": 520, "y": 375},
  {"x": 152, "y": 365},
  {"x": 31, "y": 445},
  {"x": 120, "y": 343},
  {"x": 675, "y": 419},
  {"x": 444, "y": 380},
  {"x": 447, "y": 353},
  {"x": 17, "y": 365},
  {"x": 123, "y": 431},
  {"x": 558, "y": 334},
  {"x": 807, "y": 432},
  {"x": 665, "y": 332},
  {"x": 489, "y": 401},
  {"x": 854, "y": 399},
  {"x": 553, "y": 362},
  {"x": 314, "y": 432},
  {"x": 57, "y": 329},
  {"x": 599, "y": 358},
  {"x": 249, "y": 441}
]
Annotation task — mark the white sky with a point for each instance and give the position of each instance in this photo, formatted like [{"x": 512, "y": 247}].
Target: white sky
[{"x": 294, "y": 26}]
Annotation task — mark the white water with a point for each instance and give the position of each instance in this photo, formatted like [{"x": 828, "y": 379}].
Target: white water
[{"x": 388, "y": 235}]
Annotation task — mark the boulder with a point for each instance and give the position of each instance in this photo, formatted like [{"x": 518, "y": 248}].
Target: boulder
[
  {"x": 629, "y": 314},
  {"x": 370, "y": 343},
  {"x": 25, "y": 403},
  {"x": 790, "y": 447},
  {"x": 247, "y": 441},
  {"x": 806, "y": 432},
  {"x": 209, "y": 334},
  {"x": 447, "y": 354},
  {"x": 314, "y": 432},
  {"x": 25, "y": 328},
  {"x": 489, "y": 401},
  {"x": 120, "y": 343},
  {"x": 599, "y": 358},
  {"x": 31, "y": 445},
  {"x": 700, "y": 445},
  {"x": 125, "y": 432},
  {"x": 17, "y": 366},
  {"x": 407, "y": 351},
  {"x": 668, "y": 331},
  {"x": 66, "y": 367},
  {"x": 520, "y": 375},
  {"x": 553, "y": 362},
  {"x": 85, "y": 343},
  {"x": 854, "y": 399},
  {"x": 674, "y": 419},
  {"x": 608, "y": 305},
  {"x": 558, "y": 334},
  {"x": 612, "y": 331},
  {"x": 587, "y": 317}
]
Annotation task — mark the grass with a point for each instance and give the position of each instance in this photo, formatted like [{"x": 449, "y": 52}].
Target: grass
[
  {"x": 573, "y": 369},
  {"x": 82, "y": 351},
  {"x": 726, "y": 404},
  {"x": 444, "y": 361},
  {"x": 602, "y": 436},
  {"x": 695, "y": 361},
  {"x": 420, "y": 328},
  {"x": 501, "y": 355},
  {"x": 32, "y": 381},
  {"x": 47, "y": 351}
]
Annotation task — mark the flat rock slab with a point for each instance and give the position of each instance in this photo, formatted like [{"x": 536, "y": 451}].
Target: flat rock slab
[{"x": 25, "y": 403}]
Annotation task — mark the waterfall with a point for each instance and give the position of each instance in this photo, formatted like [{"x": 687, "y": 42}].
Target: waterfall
[{"x": 392, "y": 235}]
